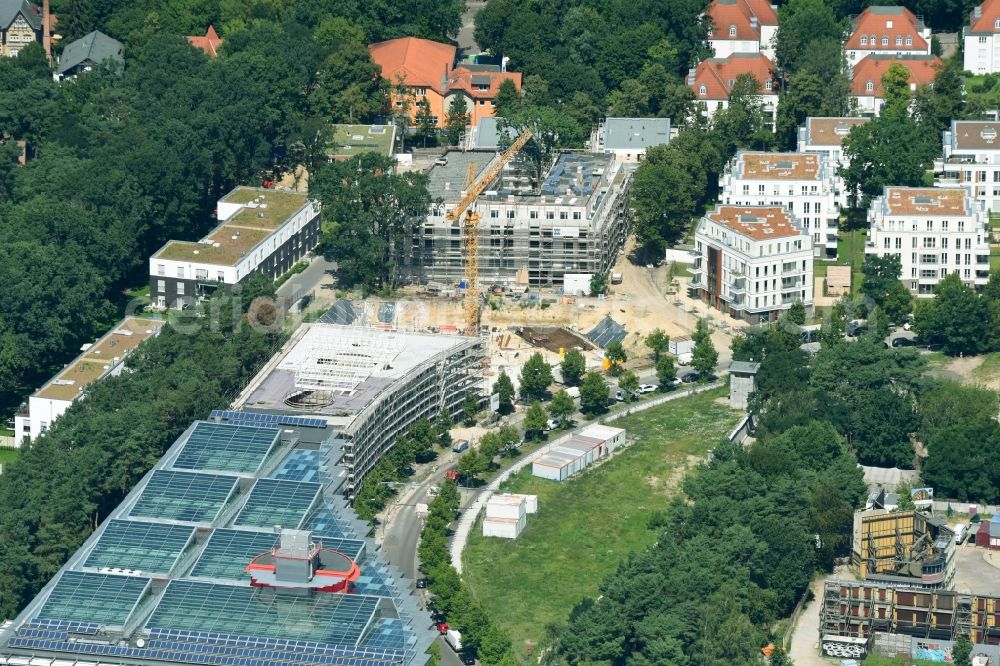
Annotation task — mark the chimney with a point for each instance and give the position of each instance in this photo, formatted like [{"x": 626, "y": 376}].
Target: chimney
[
  {"x": 46, "y": 31},
  {"x": 979, "y": 11},
  {"x": 753, "y": 22},
  {"x": 691, "y": 76}
]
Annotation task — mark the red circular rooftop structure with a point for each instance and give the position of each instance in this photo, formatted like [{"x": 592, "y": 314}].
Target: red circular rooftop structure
[{"x": 298, "y": 562}]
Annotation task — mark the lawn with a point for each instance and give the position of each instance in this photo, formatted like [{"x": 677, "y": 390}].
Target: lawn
[
  {"x": 995, "y": 258},
  {"x": 588, "y": 524},
  {"x": 7, "y": 456},
  {"x": 989, "y": 369},
  {"x": 851, "y": 250}
]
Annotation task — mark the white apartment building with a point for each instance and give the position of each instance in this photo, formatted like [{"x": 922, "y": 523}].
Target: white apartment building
[
  {"x": 971, "y": 158},
  {"x": 263, "y": 230},
  {"x": 825, "y": 137},
  {"x": 628, "y": 139},
  {"x": 804, "y": 184},
  {"x": 103, "y": 358},
  {"x": 934, "y": 231},
  {"x": 886, "y": 31},
  {"x": 981, "y": 52},
  {"x": 752, "y": 262}
]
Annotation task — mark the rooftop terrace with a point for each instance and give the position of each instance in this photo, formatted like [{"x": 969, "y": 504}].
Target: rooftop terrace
[
  {"x": 756, "y": 222},
  {"x": 99, "y": 358},
  {"x": 346, "y": 141},
  {"x": 831, "y": 131},
  {"x": 262, "y": 212},
  {"x": 778, "y": 166},
  {"x": 926, "y": 201}
]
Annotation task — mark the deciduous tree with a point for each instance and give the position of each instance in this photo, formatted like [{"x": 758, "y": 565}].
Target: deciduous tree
[
  {"x": 593, "y": 394},
  {"x": 573, "y": 366},
  {"x": 536, "y": 377}
]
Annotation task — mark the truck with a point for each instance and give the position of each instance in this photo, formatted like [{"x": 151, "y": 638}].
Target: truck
[
  {"x": 616, "y": 278},
  {"x": 454, "y": 639},
  {"x": 680, "y": 346}
]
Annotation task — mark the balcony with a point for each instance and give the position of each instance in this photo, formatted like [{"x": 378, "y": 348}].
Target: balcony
[{"x": 738, "y": 287}]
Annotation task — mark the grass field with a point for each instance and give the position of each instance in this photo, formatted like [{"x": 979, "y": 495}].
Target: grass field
[
  {"x": 989, "y": 369},
  {"x": 851, "y": 250},
  {"x": 587, "y": 525},
  {"x": 7, "y": 456}
]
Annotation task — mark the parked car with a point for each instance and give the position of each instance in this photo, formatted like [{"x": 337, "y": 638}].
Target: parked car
[
  {"x": 647, "y": 388},
  {"x": 469, "y": 660},
  {"x": 690, "y": 377},
  {"x": 619, "y": 395},
  {"x": 421, "y": 583},
  {"x": 551, "y": 424},
  {"x": 904, "y": 342},
  {"x": 441, "y": 161},
  {"x": 460, "y": 446}
]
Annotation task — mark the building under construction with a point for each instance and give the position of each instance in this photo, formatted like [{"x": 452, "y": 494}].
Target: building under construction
[
  {"x": 904, "y": 548},
  {"x": 366, "y": 385},
  {"x": 531, "y": 231},
  {"x": 858, "y": 618}
]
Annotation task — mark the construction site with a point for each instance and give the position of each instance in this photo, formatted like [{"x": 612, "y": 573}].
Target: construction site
[
  {"x": 523, "y": 227},
  {"x": 903, "y": 548}
]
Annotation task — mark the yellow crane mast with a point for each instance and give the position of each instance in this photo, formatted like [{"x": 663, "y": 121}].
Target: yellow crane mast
[{"x": 471, "y": 225}]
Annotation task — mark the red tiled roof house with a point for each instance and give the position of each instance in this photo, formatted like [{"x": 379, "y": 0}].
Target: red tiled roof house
[
  {"x": 866, "y": 82},
  {"x": 742, "y": 26},
  {"x": 713, "y": 79},
  {"x": 982, "y": 39},
  {"x": 886, "y": 31},
  {"x": 427, "y": 71}
]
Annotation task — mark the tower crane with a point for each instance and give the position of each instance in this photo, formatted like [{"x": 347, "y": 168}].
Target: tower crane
[{"x": 471, "y": 225}]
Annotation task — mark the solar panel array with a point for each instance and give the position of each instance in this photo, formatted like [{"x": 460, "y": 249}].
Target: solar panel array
[
  {"x": 222, "y": 447},
  {"x": 260, "y": 419},
  {"x": 267, "y": 612},
  {"x": 146, "y": 547},
  {"x": 185, "y": 496},
  {"x": 202, "y": 647},
  {"x": 606, "y": 332},
  {"x": 228, "y": 552},
  {"x": 93, "y": 598},
  {"x": 275, "y": 502}
]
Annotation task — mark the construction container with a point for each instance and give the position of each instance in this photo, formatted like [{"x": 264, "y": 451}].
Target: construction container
[
  {"x": 530, "y": 502},
  {"x": 505, "y": 506},
  {"x": 504, "y": 528},
  {"x": 681, "y": 345},
  {"x": 610, "y": 437},
  {"x": 553, "y": 466}
]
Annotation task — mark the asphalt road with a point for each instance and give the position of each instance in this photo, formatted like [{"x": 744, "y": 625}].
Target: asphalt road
[{"x": 301, "y": 284}]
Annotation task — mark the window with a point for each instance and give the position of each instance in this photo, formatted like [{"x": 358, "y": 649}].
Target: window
[
  {"x": 885, "y": 41},
  {"x": 944, "y": 225},
  {"x": 201, "y": 273},
  {"x": 220, "y": 276},
  {"x": 180, "y": 271},
  {"x": 510, "y": 215},
  {"x": 702, "y": 90},
  {"x": 864, "y": 40},
  {"x": 576, "y": 215},
  {"x": 996, "y": 24},
  {"x": 161, "y": 286},
  {"x": 533, "y": 214},
  {"x": 767, "y": 84},
  {"x": 161, "y": 269},
  {"x": 899, "y": 40},
  {"x": 982, "y": 40},
  {"x": 732, "y": 30},
  {"x": 549, "y": 215},
  {"x": 563, "y": 215},
  {"x": 870, "y": 86},
  {"x": 731, "y": 82},
  {"x": 909, "y": 40},
  {"x": 180, "y": 288}
]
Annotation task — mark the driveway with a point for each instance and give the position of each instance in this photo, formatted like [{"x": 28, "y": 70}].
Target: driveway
[
  {"x": 804, "y": 644},
  {"x": 302, "y": 283}
]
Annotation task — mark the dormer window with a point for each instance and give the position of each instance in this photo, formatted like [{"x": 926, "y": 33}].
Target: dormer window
[
  {"x": 899, "y": 40},
  {"x": 702, "y": 90},
  {"x": 885, "y": 41},
  {"x": 874, "y": 41},
  {"x": 996, "y": 24},
  {"x": 767, "y": 84},
  {"x": 732, "y": 82},
  {"x": 870, "y": 86},
  {"x": 864, "y": 40},
  {"x": 909, "y": 40},
  {"x": 732, "y": 31}
]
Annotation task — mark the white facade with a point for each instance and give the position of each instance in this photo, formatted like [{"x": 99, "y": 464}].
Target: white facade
[
  {"x": 504, "y": 528},
  {"x": 753, "y": 262},
  {"x": 803, "y": 184},
  {"x": 104, "y": 358},
  {"x": 982, "y": 53},
  {"x": 571, "y": 454},
  {"x": 768, "y": 102},
  {"x": 934, "y": 232},
  {"x": 825, "y": 137},
  {"x": 972, "y": 159},
  {"x": 506, "y": 506},
  {"x": 724, "y": 48},
  {"x": 628, "y": 139}
]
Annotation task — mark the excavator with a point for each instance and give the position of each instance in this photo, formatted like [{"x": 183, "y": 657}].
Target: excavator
[{"x": 470, "y": 227}]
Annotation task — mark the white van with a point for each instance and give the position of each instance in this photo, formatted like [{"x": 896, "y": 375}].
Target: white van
[{"x": 960, "y": 533}]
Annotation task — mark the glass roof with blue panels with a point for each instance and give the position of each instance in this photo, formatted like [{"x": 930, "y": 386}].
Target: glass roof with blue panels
[
  {"x": 276, "y": 502},
  {"x": 141, "y": 546},
  {"x": 218, "y": 447},
  {"x": 97, "y": 598},
  {"x": 275, "y": 613},
  {"x": 228, "y": 552},
  {"x": 300, "y": 465},
  {"x": 184, "y": 496},
  {"x": 167, "y": 570}
]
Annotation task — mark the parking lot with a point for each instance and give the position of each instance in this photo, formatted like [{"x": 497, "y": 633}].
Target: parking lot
[{"x": 977, "y": 570}]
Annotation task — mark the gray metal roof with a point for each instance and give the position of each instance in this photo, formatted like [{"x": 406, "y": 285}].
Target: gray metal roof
[
  {"x": 485, "y": 134},
  {"x": 744, "y": 367},
  {"x": 606, "y": 332},
  {"x": 94, "y": 48},
  {"x": 9, "y": 9},
  {"x": 624, "y": 133}
]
